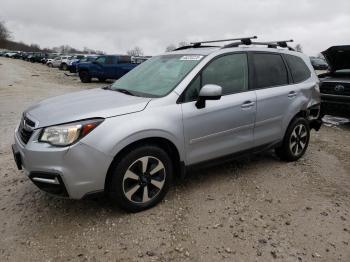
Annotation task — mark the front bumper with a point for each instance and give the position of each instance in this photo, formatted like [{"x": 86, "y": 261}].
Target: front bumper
[
  {"x": 72, "y": 68},
  {"x": 73, "y": 171},
  {"x": 336, "y": 105}
]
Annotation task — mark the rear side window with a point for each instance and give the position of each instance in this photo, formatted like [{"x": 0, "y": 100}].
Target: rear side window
[
  {"x": 299, "y": 70},
  {"x": 110, "y": 60},
  {"x": 270, "y": 70},
  {"x": 123, "y": 59}
]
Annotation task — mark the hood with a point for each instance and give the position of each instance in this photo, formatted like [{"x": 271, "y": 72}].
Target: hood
[
  {"x": 73, "y": 61},
  {"x": 84, "y": 105},
  {"x": 338, "y": 57}
]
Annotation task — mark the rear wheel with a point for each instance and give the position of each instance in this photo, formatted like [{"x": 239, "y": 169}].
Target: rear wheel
[
  {"x": 141, "y": 178},
  {"x": 296, "y": 140},
  {"x": 49, "y": 65},
  {"x": 84, "y": 77},
  {"x": 64, "y": 67}
]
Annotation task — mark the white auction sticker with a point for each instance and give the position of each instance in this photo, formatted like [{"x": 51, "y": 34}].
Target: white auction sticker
[{"x": 191, "y": 57}]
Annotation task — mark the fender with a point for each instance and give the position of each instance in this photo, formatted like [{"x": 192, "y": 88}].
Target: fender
[{"x": 151, "y": 133}]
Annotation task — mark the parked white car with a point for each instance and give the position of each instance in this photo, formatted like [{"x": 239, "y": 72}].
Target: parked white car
[
  {"x": 75, "y": 58},
  {"x": 57, "y": 62},
  {"x": 10, "y": 54}
]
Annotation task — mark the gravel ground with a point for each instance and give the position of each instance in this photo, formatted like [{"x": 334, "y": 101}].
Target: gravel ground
[{"x": 256, "y": 209}]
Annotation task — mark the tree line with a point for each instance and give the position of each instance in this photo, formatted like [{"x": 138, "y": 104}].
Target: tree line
[{"x": 6, "y": 42}]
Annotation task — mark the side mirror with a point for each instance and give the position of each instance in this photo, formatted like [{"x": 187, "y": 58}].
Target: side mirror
[{"x": 208, "y": 92}]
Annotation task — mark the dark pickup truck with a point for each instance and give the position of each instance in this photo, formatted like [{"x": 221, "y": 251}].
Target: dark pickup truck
[
  {"x": 105, "y": 67},
  {"x": 335, "y": 84}
]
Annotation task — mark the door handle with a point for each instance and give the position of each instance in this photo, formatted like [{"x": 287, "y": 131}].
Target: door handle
[
  {"x": 247, "y": 104},
  {"x": 292, "y": 94}
]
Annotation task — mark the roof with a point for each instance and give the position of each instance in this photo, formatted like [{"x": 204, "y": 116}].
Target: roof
[
  {"x": 245, "y": 43},
  {"x": 196, "y": 51},
  {"x": 207, "y": 51}
]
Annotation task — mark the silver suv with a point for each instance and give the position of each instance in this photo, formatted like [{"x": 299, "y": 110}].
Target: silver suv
[{"x": 189, "y": 106}]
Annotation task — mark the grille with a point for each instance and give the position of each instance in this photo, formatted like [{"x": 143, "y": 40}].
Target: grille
[
  {"x": 25, "y": 129},
  {"x": 330, "y": 88}
]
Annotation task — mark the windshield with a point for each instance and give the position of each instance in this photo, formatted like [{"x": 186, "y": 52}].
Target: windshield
[
  {"x": 157, "y": 76},
  {"x": 319, "y": 61}
]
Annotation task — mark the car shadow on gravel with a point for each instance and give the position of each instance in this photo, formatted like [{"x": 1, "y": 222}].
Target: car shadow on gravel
[
  {"x": 100, "y": 207},
  {"x": 228, "y": 168}
]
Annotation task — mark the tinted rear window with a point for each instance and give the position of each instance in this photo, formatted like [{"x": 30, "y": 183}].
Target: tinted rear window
[
  {"x": 270, "y": 70},
  {"x": 299, "y": 70}
]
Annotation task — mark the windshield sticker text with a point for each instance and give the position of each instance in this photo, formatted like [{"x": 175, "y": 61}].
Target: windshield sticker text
[{"x": 191, "y": 58}]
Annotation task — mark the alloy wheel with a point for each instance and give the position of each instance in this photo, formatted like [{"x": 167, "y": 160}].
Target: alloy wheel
[
  {"x": 298, "y": 139},
  {"x": 144, "y": 179}
]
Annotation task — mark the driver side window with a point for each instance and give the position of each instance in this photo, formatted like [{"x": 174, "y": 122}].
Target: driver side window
[
  {"x": 101, "y": 60},
  {"x": 229, "y": 71}
]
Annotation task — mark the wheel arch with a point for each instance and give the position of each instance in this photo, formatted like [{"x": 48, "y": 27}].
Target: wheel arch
[
  {"x": 302, "y": 113},
  {"x": 161, "y": 142}
]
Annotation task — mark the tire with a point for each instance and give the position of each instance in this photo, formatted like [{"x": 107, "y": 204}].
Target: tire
[
  {"x": 295, "y": 141},
  {"x": 101, "y": 79},
  {"x": 64, "y": 67},
  {"x": 49, "y": 65},
  {"x": 84, "y": 77},
  {"x": 132, "y": 175}
]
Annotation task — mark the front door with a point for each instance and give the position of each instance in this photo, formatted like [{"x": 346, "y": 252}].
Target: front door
[{"x": 223, "y": 126}]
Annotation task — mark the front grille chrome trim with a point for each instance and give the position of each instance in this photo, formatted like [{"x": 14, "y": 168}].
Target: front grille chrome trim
[{"x": 26, "y": 129}]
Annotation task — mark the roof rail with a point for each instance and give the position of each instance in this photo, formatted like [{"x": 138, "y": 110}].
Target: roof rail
[
  {"x": 244, "y": 40},
  {"x": 193, "y": 46},
  {"x": 270, "y": 44}
]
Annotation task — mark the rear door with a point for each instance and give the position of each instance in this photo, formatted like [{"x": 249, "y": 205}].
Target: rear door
[
  {"x": 111, "y": 67},
  {"x": 274, "y": 95},
  {"x": 124, "y": 65},
  {"x": 223, "y": 126}
]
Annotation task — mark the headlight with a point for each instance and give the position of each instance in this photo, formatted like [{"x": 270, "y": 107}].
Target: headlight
[{"x": 67, "y": 134}]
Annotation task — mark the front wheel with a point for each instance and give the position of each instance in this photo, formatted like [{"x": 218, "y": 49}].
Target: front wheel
[
  {"x": 296, "y": 140},
  {"x": 84, "y": 77},
  {"x": 141, "y": 178}
]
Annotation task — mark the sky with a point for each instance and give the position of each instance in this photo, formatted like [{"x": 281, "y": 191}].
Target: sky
[{"x": 116, "y": 26}]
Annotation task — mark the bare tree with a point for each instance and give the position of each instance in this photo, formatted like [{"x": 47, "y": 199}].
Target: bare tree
[
  {"x": 5, "y": 34},
  {"x": 136, "y": 51},
  {"x": 35, "y": 47},
  {"x": 7, "y": 43},
  {"x": 298, "y": 48},
  {"x": 170, "y": 48}
]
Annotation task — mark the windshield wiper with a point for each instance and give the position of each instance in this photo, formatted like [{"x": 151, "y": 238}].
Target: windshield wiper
[
  {"x": 124, "y": 91},
  {"x": 107, "y": 87},
  {"x": 121, "y": 90}
]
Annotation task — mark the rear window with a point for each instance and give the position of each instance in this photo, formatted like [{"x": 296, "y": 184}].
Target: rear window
[
  {"x": 299, "y": 70},
  {"x": 270, "y": 70}
]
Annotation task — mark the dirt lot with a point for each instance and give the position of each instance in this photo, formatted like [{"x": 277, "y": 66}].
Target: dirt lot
[{"x": 257, "y": 209}]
